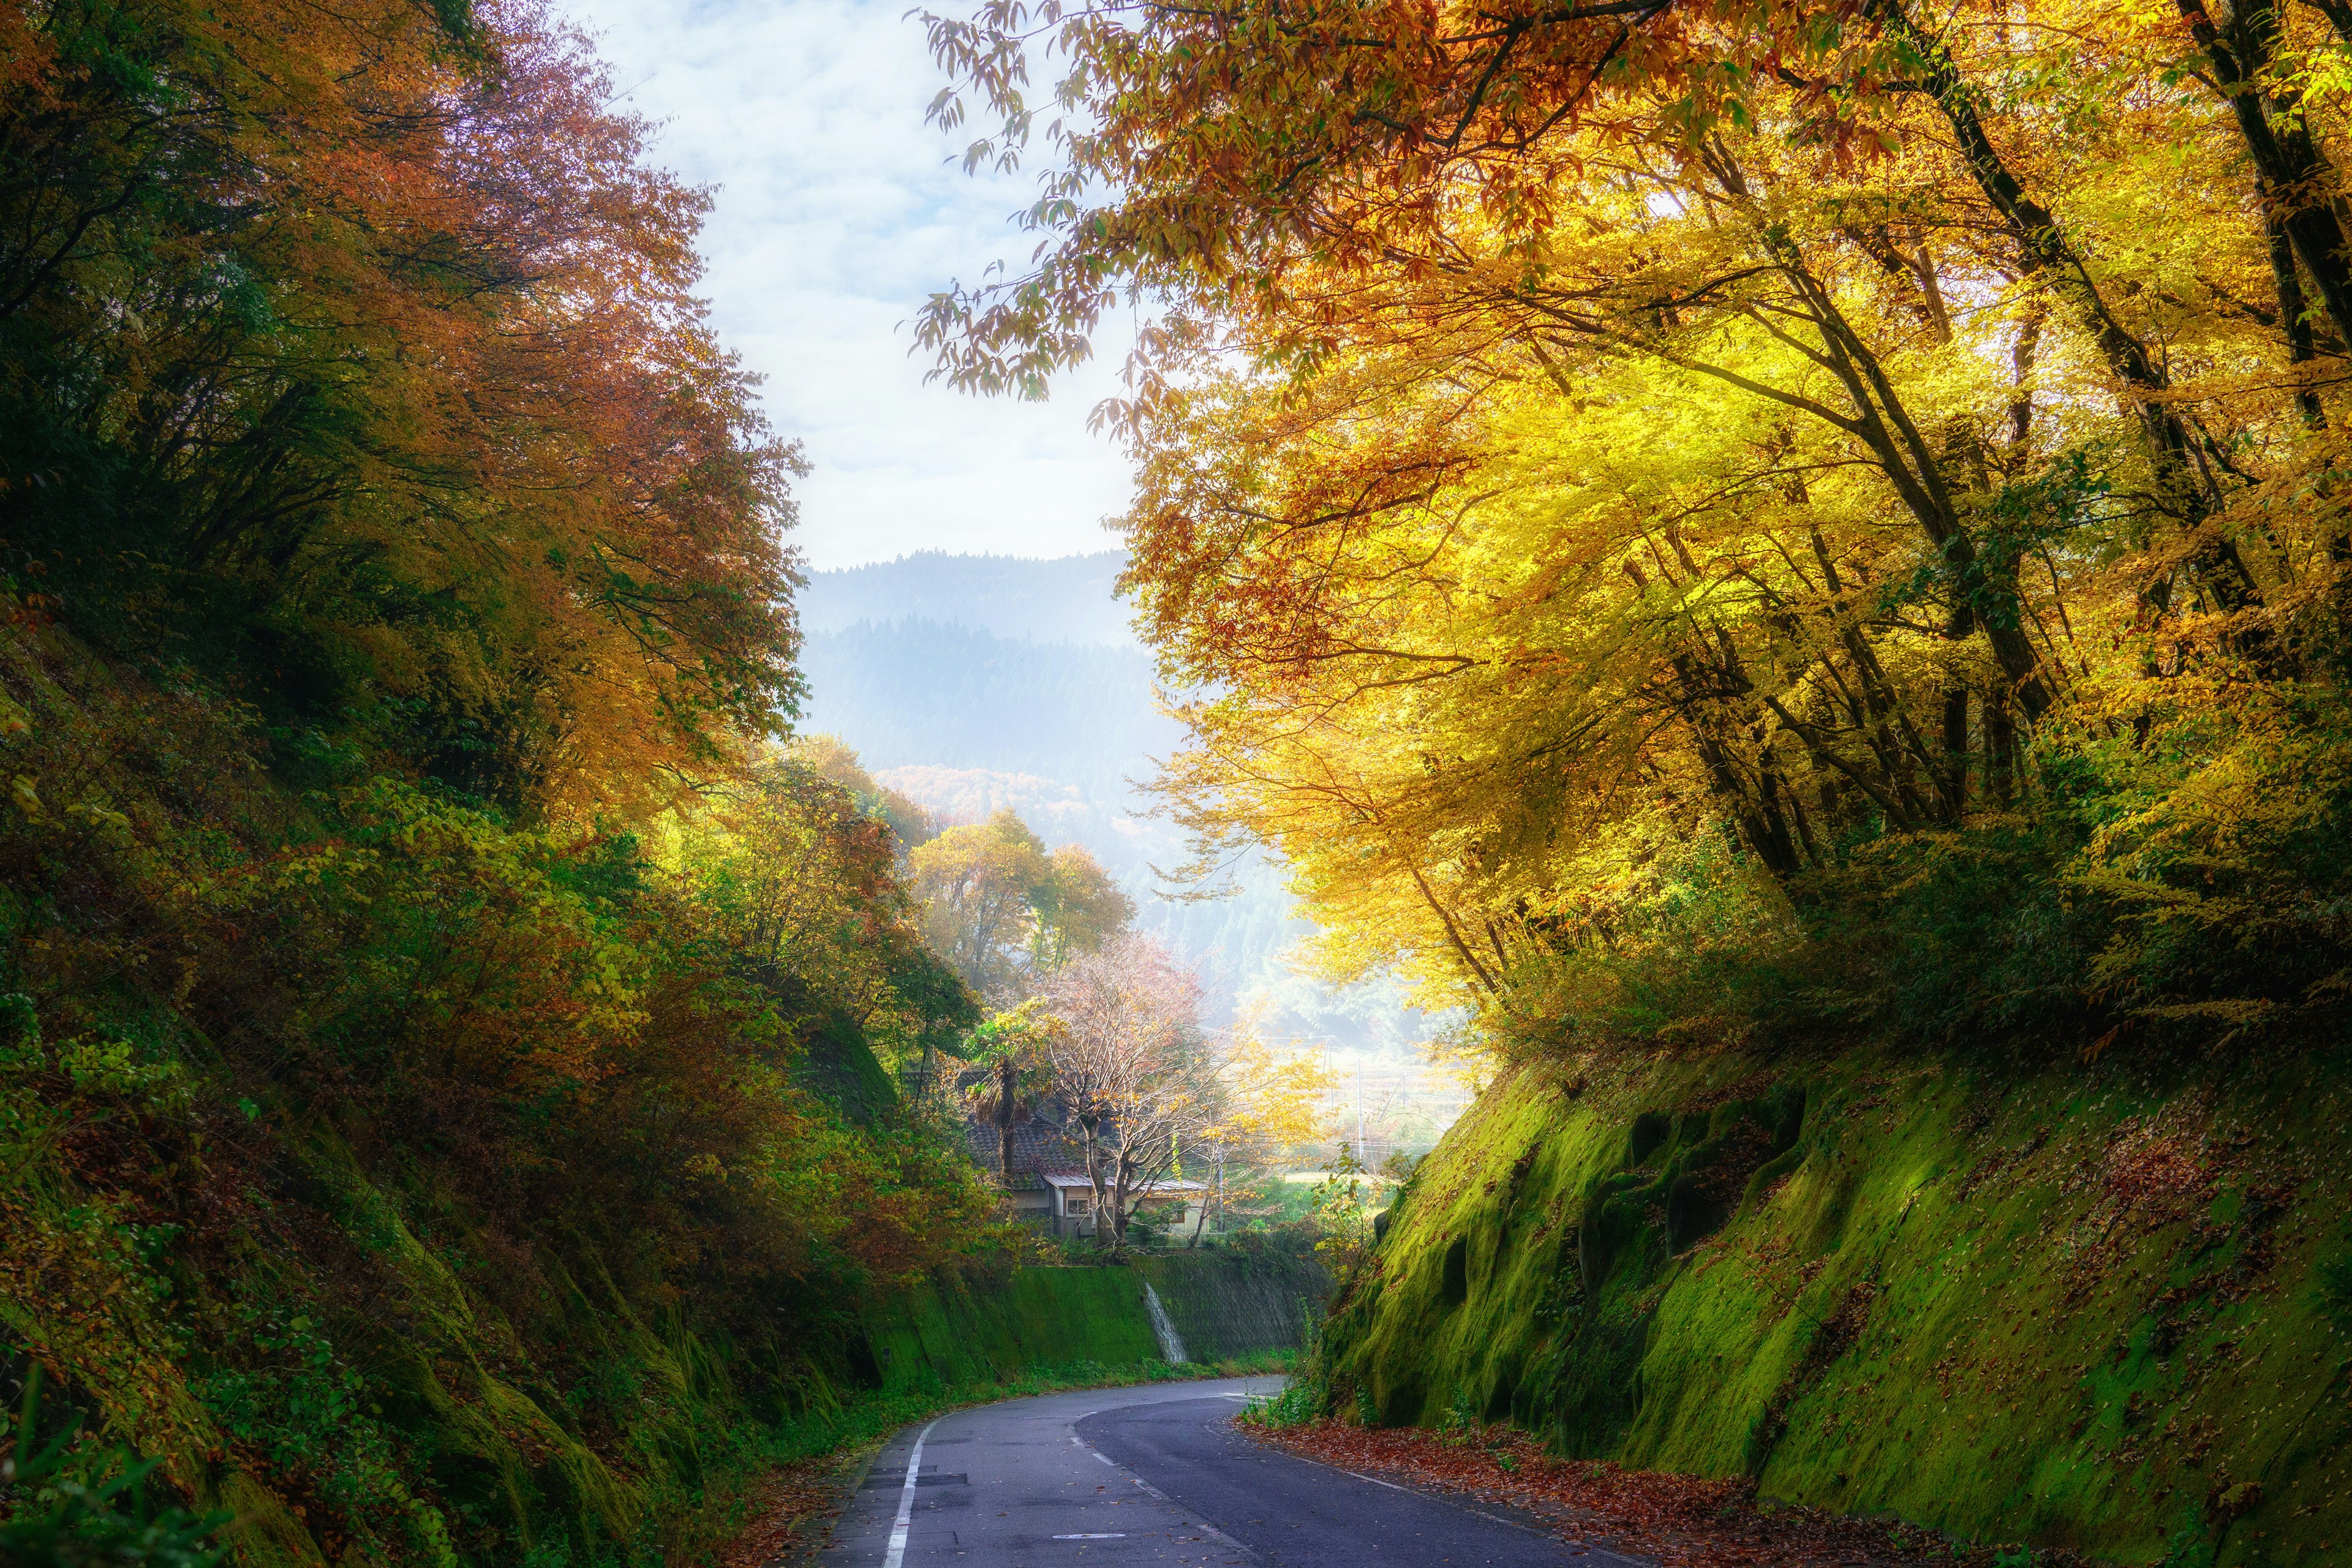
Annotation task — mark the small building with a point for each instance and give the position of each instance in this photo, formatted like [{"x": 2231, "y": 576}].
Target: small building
[
  {"x": 1170, "y": 1204},
  {"x": 1050, "y": 1189}
]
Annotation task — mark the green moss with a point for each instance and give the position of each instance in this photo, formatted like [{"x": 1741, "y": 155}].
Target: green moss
[
  {"x": 994, "y": 1328},
  {"x": 967, "y": 1331},
  {"x": 2085, "y": 1308}
]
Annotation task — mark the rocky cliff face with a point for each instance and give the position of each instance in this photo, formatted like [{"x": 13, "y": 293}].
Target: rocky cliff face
[{"x": 2098, "y": 1306}]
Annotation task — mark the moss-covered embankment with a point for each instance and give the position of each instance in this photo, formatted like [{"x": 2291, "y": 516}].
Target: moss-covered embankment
[
  {"x": 994, "y": 1329},
  {"x": 2088, "y": 1308}
]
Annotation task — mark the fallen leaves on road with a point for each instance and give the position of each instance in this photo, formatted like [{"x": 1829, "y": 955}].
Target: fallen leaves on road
[
  {"x": 1683, "y": 1521},
  {"x": 790, "y": 1507}
]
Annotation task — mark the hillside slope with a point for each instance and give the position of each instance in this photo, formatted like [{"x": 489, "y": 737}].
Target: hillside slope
[
  {"x": 2081, "y": 1306},
  {"x": 413, "y": 1186}
]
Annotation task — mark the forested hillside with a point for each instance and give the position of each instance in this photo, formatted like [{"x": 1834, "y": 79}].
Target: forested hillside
[
  {"x": 908, "y": 692},
  {"x": 1795, "y": 556},
  {"x": 443, "y": 1105},
  {"x": 1064, "y": 599}
]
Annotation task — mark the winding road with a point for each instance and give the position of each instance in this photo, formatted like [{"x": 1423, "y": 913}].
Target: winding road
[{"x": 1156, "y": 1475}]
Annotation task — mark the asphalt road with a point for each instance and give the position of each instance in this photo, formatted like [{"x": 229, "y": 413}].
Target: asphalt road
[{"x": 1155, "y": 1475}]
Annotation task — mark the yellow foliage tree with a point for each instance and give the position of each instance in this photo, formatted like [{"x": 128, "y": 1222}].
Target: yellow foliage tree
[
  {"x": 1619, "y": 466},
  {"x": 1004, "y": 911}
]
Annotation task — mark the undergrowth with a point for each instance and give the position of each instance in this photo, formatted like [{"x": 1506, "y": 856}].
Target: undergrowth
[
  {"x": 69, "y": 1500},
  {"x": 1308, "y": 1394}
]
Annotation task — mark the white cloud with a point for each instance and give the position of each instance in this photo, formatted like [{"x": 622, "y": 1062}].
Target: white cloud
[{"x": 838, "y": 211}]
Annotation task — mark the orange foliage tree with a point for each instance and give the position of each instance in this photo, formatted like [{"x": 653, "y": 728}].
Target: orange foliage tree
[{"x": 353, "y": 356}]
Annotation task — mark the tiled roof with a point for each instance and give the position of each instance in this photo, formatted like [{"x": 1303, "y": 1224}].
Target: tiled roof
[{"x": 1039, "y": 1149}]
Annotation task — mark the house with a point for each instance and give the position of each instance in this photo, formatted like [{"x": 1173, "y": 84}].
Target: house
[{"x": 1050, "y": 1189}]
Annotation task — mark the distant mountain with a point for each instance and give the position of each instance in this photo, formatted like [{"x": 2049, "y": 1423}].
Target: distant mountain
[
  {"x": 923, "y": 691},
  {"x": 1065, "y": 600}
]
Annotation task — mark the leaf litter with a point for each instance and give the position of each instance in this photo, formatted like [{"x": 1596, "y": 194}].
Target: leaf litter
[{"x": 1679, "y": 1521}]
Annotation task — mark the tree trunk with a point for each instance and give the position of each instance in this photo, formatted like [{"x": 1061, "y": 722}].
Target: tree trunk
[
  {"x": 2001, "y": 751},
  {"x": 2290, "y": 168},
  {"x": 1955, "y": 780},
  {"x": 1123, "y": 1170},
  {"x": 2299, "y": 345},
  {"x": 1005, "y": 1076},
  {"x": 1094, "y": 1177},
  {"x": 1761, "y": 826},
  {"x": 2050, "y": 257}
]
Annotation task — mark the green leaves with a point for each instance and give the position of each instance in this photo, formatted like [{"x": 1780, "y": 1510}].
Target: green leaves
[{"x": 73, "y": 1503}]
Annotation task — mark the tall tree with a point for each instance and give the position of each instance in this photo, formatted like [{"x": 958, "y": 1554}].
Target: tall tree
[
  {"x": 1131, "y": 1068},
  {"x": 1005, "y": 912}
]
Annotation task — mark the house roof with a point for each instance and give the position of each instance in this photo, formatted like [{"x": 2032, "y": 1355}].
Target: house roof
[
  {"x": 1155, "y": 1189},
  {"x": 1039, "y": 1149}
]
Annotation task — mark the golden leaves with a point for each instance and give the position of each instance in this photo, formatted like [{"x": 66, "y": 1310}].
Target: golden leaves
[{"x": 1557, "y": 469}]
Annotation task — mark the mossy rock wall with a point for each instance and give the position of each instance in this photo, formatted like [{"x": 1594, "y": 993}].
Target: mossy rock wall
[
  {"x": 994, "y": 1328},
  {"x": 442, "y": 1404},
  {"x": 2101, "y": 1308}
]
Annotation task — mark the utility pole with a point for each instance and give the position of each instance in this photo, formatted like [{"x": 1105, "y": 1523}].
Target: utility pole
[{"x": 1359, "y": 1108}]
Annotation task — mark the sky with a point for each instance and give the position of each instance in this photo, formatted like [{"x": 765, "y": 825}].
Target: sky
[{"x": 838, "y": 211}]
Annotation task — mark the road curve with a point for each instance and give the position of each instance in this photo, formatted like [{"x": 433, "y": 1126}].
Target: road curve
[{"x": 1155, "y": 1475}]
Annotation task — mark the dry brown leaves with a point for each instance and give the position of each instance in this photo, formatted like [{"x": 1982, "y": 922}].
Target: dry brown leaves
[
  {"x": 790, "y": 1509},
  {"x": 1677, "y": 1520}
]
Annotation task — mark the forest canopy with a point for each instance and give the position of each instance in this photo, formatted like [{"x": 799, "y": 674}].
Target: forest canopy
[
  {"x": 351, "y": 360},
  {"x": 1727, "y": 517}
]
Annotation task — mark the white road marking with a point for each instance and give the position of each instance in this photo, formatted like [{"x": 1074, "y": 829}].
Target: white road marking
[
  {"x": 1214, "y": 1533},
  {"x": 1480, "y": 1514},
  {"x": 1439, "y": 1497},
  {"x": 897, "y": 1553}
]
